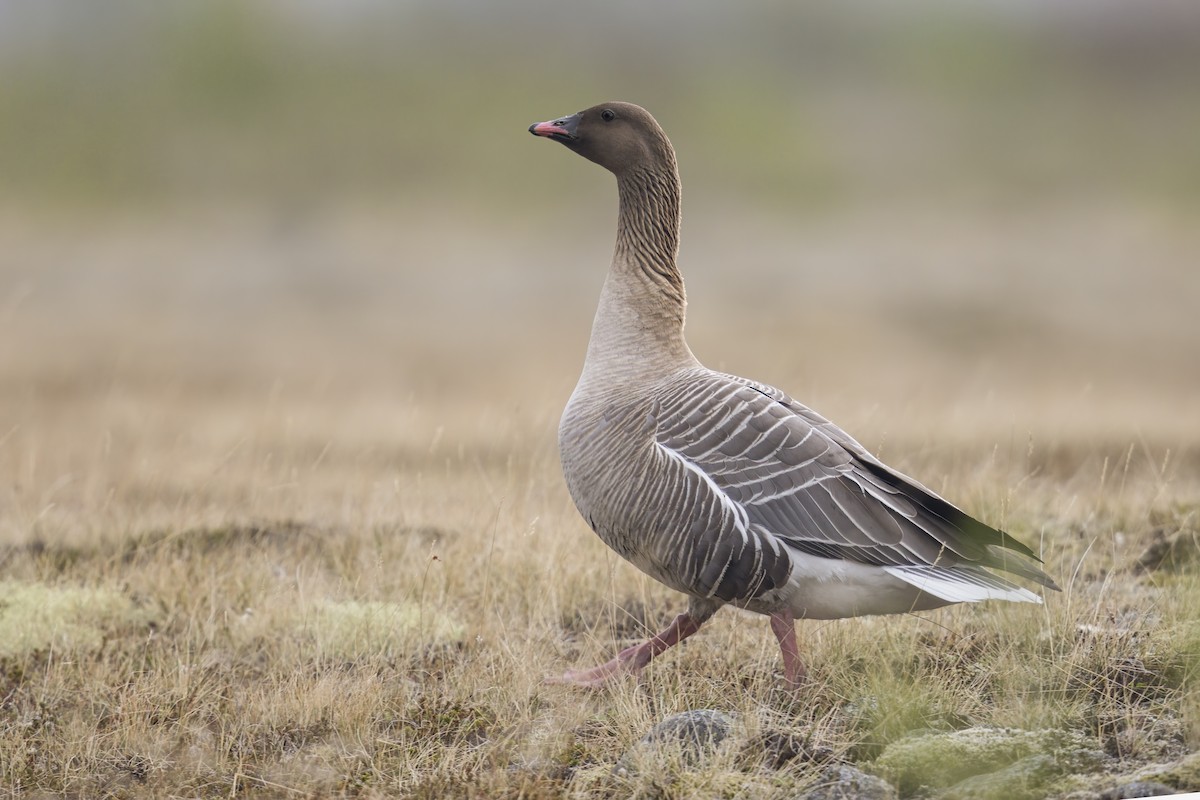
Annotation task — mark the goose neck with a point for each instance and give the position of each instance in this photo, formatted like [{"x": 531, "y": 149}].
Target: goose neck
[
  {"x": 639, "y": 324},
  {"x": 648, "y": 235}
]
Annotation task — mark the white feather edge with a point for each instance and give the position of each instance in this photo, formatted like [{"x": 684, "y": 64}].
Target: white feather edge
[{"x": 959, "y": 588}]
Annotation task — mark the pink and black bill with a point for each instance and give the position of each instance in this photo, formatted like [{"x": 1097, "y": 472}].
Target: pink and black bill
[{"x": 561, "y": 129}]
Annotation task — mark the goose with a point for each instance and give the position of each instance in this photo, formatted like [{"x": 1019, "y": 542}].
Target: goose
[{"x": 726, "y": 489}]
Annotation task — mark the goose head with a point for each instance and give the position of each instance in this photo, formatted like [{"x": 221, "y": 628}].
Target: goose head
[{"x": 620, "y": 137}]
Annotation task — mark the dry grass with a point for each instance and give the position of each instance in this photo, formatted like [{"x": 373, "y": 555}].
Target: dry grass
[
  {"x": 280, "y": 508},
  {"x": 289, "y": 555}
]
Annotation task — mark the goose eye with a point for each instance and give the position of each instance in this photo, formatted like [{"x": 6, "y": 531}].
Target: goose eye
[{"x": 607, "y": 115}]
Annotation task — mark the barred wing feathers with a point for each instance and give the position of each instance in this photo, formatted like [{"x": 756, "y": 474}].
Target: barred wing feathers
[{"x": 787, "y": 473}]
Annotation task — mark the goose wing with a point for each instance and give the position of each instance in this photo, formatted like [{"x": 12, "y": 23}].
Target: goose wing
[{"x": 810, "y": 485}]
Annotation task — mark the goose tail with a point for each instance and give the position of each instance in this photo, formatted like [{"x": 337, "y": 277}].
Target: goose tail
[{"x": 962, "y": 584}]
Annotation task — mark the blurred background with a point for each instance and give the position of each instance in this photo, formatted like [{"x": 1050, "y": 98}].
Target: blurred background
[{"x": 931, "y": 221}]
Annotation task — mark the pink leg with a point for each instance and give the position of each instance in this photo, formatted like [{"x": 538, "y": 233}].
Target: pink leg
[
  {"x": 633, "y": 659},
  {"x": 783, "y": 625}
]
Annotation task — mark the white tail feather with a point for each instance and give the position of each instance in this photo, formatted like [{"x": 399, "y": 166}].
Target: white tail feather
[{"x": 962, "y": 584}]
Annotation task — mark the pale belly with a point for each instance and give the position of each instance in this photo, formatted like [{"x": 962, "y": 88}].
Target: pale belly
[{"x": 825, "y": 588}]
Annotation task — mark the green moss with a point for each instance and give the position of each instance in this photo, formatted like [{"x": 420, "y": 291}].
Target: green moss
[
  {"x": 895, "y": 710},
  {"x": 992, "y": 758},
  {"x": 1183, "y": 775},
  {"x": 348, "y": 629},
  {"x": 1031, "y": 778},
  {"x": 37, "y": 616}
]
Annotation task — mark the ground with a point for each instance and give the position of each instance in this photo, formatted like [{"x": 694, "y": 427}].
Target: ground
[{"x": 261, "y": 538}]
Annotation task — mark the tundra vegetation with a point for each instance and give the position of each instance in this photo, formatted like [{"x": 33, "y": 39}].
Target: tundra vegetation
[{"x": 286, "y": 324}]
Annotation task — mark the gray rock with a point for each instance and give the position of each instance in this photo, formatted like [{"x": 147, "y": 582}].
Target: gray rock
[
  {"x": 687, "y": 738},
  {"x": 1171, "y": 552},
  {"x": 1183, "y": 775},
  {"x": 1136, "y": 789},
  {"x": 1153, "y": 780},
  {"x": 847, "y": 783}
]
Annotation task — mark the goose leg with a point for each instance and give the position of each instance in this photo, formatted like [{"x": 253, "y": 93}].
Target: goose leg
[
  {"x": 783, "y": 625},
  {"x": 634, "y": 659}
]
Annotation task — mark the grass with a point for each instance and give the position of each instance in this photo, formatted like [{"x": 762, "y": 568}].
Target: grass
[
  {"x": 227, "y": 572},
  {"x": 287, "y": 320},
  {"x": 240, "y": 670}
]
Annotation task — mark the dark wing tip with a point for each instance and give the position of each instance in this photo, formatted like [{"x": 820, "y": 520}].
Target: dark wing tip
[{"x": 973, "y": 531}]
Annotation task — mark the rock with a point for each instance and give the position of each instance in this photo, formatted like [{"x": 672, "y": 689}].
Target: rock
[
  {"x": 686, "y": 738},
  {"x": 847, "y": 783},
  {"x": 1183, "y": 775},
  {"x": 1154, "y": 780},
  {"x": 1136, "y": 789},
  {"x": 1170, "y": 552},
  {"x": 944, "y": 760}
]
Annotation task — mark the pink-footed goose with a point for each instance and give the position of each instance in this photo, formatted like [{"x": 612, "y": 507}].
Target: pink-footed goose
[{"x": 729, "y": 490}]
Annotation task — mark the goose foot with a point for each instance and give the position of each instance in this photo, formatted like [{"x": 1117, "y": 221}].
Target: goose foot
[
  {"x": 631, "y": 659},
  {"x": 625, "y": 661}
]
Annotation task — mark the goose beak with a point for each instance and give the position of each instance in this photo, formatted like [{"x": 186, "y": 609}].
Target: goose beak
[{"x": 562, "y": 129}]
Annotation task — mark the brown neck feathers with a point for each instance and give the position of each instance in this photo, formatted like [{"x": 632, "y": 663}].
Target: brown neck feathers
[{"x": 648, "y": 228}]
